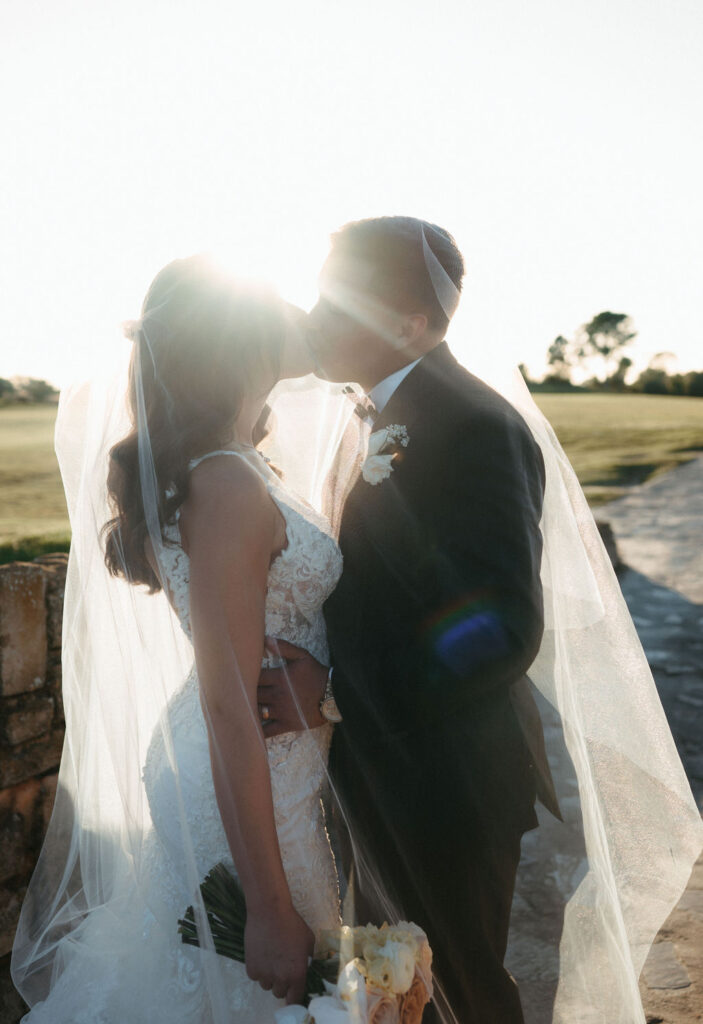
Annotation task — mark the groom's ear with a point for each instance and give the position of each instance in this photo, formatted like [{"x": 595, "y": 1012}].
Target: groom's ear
[{"x": 412, "y": 329}]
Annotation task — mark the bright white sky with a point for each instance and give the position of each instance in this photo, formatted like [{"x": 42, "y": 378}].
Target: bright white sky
[{"x": 559, "y": 140}]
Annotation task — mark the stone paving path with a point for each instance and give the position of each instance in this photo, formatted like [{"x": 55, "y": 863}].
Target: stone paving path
[
  {"x": 658, "y": 528},
  {"x": 659, "y": 532}
]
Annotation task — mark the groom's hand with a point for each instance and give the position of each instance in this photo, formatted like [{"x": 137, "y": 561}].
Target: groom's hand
[{"x": 289, "y": 697}]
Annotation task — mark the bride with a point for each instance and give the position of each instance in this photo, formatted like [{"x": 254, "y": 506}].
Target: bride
[{"x": 198, "y": 516}]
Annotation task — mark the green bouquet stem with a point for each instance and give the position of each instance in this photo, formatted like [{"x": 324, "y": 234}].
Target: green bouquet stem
[{"x": 226, "y": 910}]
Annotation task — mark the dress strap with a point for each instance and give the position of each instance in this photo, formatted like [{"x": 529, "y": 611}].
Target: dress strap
[{"x": 222, "y": 451}]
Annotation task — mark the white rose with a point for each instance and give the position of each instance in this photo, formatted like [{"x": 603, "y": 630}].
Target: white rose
[
  {"x": 377, "y": 468},
  {"x": 292, "y": 1015},
  {"x": 378, "y": 441},
  {"x": 327, "y": 1010},
  {"x": 351, "y": 991}
]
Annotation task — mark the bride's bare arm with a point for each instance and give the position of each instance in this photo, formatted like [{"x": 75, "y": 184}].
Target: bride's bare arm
[{"x": 231, "y": 528}]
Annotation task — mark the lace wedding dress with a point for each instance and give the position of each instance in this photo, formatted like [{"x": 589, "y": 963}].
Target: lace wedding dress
[{"x": 134, "y": 967}]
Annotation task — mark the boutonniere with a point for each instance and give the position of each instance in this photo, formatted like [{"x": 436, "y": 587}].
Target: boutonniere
[{"x": 384, "y": 448}]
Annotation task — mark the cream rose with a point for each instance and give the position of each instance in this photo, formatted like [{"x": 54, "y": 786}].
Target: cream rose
[
  {"x": 405, "y": 931},
  {"x": 393, "y": 968},
  {"x": 365, "y": 937}
]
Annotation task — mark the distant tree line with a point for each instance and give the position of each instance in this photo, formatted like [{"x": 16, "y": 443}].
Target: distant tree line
[
  {"x": 600, "y": 355},
  {"x": 29, "y": 390}
]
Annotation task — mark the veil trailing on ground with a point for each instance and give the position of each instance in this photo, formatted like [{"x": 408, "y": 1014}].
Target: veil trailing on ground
[
  {"x": 614, "y": 867},
  {"x": 620, "y": 860},
  {"x": 609, "y": 874}
]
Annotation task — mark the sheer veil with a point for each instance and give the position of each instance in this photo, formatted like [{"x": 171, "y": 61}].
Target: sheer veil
[
  {"x": 101, "y": 900},
  {"x": 621, "y": 858},
  {"x": 631, "y": 831}
]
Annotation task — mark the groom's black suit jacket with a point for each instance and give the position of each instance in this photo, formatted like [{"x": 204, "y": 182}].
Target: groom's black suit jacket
[
  {"x": 439, "y": 608},
  {"x": 437, "y": 617}
]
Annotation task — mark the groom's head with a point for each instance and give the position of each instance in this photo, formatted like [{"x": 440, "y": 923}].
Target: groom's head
[{"x": 385, "y": 295}]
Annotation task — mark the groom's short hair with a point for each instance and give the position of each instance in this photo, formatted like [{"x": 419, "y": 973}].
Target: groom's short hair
[{"x": 392, "y": 247}]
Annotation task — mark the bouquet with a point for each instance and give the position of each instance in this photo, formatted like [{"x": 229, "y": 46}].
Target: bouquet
[
  {"x": 363, "y": 975},
  {"x": 384, "y": 977}
]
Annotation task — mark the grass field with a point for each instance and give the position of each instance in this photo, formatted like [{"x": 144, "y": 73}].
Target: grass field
[
  {"x": 32, "y": 502},
  {"x": 613, "y": 441}
]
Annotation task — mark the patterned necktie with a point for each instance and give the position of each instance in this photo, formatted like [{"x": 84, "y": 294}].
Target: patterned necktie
[{"x": 363, "y": 406}]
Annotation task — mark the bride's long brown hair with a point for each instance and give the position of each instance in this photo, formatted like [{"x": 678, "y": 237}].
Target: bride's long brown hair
[{"x": 203, "y": 344}]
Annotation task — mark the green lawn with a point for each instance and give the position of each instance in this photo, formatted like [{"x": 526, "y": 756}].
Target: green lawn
[
  {"x": 613, "y": 441},
  {"x": 32, "y": 502}
]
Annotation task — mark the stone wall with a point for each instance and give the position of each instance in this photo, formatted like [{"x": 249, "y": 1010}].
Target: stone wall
[{"x": 31, "y": 734}]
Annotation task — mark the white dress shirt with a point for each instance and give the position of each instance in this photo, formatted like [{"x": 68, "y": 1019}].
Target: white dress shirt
[{"x": 381, "y": 393}]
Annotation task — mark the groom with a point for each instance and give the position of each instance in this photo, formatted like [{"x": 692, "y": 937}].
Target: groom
[{"x": 436, "y": 619}]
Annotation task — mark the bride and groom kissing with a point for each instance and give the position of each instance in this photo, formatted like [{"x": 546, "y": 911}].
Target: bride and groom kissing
[{"x": 384, "y": 658}]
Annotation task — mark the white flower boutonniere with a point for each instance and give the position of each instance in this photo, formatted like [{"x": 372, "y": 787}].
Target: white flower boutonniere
[{"x": 384, "y": 447}]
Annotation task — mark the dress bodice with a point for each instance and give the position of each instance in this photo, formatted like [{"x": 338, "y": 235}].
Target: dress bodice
[
  {"x": 178, "y": 773},
  {"x": 300, "y": 579}
]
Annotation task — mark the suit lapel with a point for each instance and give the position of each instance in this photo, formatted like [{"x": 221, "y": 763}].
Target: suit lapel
[{"x": 375, "y": 506}]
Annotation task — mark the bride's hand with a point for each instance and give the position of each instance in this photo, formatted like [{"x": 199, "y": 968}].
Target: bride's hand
[{"x": 278, "y": 945}]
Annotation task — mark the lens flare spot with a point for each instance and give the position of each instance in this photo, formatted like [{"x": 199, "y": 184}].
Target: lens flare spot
[{"x": 468, "y": 633}]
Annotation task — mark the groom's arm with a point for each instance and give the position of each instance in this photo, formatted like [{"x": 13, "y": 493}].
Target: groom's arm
[
  {"x": 291, "y": 695},
  {"x": 483, "y": 615}
]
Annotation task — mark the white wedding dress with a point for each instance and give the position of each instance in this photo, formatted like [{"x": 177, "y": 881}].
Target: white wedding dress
[{"x": 133, "y": 966}]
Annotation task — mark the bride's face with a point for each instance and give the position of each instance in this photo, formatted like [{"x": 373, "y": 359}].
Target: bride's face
[
  {"x": 296, "y": 357},
  {"x": 286, "y": 357}
]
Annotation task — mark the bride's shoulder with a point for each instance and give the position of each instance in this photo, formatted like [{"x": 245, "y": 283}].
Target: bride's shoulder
[
  {"x": 226, "y": 481},
  {"x": 226, "y": 496}
]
